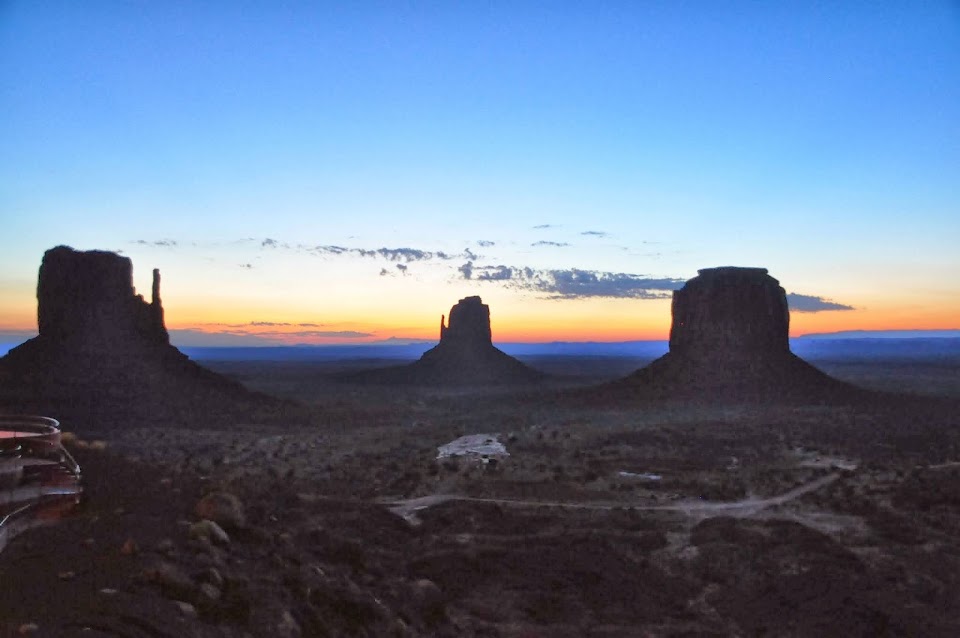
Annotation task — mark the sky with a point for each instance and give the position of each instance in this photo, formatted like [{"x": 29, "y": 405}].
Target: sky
[{"x": 312, "y": 172}]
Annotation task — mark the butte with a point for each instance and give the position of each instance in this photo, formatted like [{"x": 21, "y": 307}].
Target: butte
[
  {"x": 103, "y": 357},
  {"x": 729, "y": 342},
  {"x": 464, "y": 356}
]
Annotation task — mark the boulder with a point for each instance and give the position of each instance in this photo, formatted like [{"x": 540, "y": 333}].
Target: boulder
[{"x": 222, "y": 508}]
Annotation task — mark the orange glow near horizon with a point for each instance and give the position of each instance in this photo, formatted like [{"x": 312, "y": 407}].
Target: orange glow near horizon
[
  {"x": 546, "y": 328},
  {"x": 512, "y": 320}
]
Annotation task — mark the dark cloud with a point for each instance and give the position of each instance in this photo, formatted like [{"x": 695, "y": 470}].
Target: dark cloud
[
  {"x": 484, "y": 243},
  {"x": 568, "y": 284},
  {"x": 496, "y": 273},
  {"x": 402, "y": 268},
  {"x": 469, "y": 254},
  {"x": 574, "y": 283},
  {"x": 400, "y": 254},
  {"x": 390, "y": 254},
  {"x": 330, "y": 250},
  {"x": 811, "y": 303},
  {"x": 595, "y": 233},
  {"x": 385, "y": 273},
  {"x": 268, "y": 243},
  {"x": 557, "y": 244},
  {"x": 545, "y": 226},
  {"x": 248, "y": 266}
]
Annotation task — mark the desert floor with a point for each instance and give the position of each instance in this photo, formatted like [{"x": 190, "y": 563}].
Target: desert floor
[{"x": 634, "y": 519}]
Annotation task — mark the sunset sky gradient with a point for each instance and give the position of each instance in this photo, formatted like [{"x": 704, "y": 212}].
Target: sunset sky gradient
[{"x": 308, "y": 172}]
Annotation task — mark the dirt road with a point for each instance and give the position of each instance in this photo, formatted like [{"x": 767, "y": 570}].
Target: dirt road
[{"x": 408, "y": 508}]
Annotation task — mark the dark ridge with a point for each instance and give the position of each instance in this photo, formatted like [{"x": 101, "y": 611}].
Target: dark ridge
[
  {"x": 465, "y": 356},
  {"x": 103, "y": 354}
]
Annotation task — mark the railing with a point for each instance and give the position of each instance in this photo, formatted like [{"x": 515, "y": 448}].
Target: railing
[{"x": 39, "y": 479}]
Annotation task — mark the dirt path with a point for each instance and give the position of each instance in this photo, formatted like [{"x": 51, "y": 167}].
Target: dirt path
[{"x": 408, "y": 508}]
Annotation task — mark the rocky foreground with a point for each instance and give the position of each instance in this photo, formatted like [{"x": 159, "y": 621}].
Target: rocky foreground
[{"x": 289, "y": 533}]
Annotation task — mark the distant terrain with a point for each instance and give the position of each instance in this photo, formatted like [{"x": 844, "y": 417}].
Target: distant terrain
[
  {"x": 863, "y": 343},
  {"x": 861, "y": 347}
]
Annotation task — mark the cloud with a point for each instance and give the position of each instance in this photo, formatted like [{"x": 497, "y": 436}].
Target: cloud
[
  {"x": 239, "y": 338},
  {"x": 406, "y": 255},
  {"x": 496, "y": 273},
  {"x": 271, "y": 324},
  {"x": 161, "y": 243},
  {"x": 545, "y": 226},
  {"x": 811, "y": 303},
  {"x": 469, "y": 254},
  {"x": 558, "y": 244},
  {"x": 268, "y": 243},
  {"x": 485, "y": 243},
  {"x": 400, "y": 268},
  {"x": 248, "y": 266},
  {"x": 401, "y": 254},
  {"x": 595, "y": 233},
  {"x": 331, "y": 250},
  {"x": 574, "y": 283},
  {"x": 265, "y": 324}
]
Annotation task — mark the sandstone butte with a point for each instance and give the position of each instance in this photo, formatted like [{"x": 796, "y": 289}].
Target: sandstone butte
[
  {"x": 729, "y": 341},
  {"x": 464, "y": 356},
  {"x": 103, "y": 353}
]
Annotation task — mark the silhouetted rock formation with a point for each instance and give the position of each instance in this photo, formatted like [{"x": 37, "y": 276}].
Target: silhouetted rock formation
[
  {"x": 730, "y": 312},
  {"x": 469, "y": 324},
  {"x": 729, "y": 340},
  {"x": 87, "y": 299},
  {"x": 104, "y": 353},
  {"x": 465, "y": 355}
]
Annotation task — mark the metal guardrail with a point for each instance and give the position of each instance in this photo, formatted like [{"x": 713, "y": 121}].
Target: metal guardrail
[{"x": 39, "y": 478}]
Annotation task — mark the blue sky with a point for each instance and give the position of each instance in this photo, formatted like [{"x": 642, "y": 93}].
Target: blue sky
[{"x": 819, "y": 140}]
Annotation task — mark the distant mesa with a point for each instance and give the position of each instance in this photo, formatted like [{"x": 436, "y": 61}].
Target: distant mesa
[
  {"x": 103, "y": 352},
  {"x": 729, "y": 339},
  {"x": 730, "y": 313},
  {"x": 465, "y": 355}
]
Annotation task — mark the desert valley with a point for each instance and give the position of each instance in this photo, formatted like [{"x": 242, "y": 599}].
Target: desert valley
[{"x": 726, "y": 488}]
